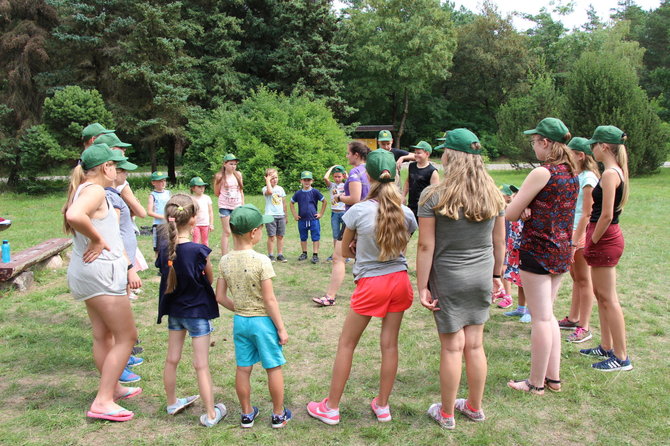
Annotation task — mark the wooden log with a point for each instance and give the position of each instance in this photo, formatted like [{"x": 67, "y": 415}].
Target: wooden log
[{"x": 23, "y": 260}]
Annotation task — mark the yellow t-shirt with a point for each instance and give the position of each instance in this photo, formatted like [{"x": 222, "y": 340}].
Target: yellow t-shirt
[{"x": 243, "y": 272}]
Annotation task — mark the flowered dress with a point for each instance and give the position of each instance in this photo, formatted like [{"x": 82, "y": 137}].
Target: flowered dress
[{"x": 512, "y": 255}]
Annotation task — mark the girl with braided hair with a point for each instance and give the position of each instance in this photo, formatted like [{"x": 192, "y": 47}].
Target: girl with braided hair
[{"x": 187, "y": 298}]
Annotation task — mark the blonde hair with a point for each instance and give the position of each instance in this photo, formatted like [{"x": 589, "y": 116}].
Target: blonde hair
[
  {"x": 179, "y": 211},
  {"x": 466, "y": 186},
  {"x": 621, "y": 157},
  {"x": 560, "y": 153},
  {"x": 588, "y": 163},
  {"x": 270, "y": 170},
  {"x": 391, "y": 232},
  {"x": 77, "y": 177}
]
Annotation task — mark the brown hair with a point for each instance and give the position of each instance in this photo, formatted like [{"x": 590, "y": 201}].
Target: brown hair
[
  {"x": 391, "y": 232},
  {"x": 588, "y": 163},
  {"x": 179, "y": 211},
  {"x": 466, "y": 186},
  {"x": 560, "y": 153},
  {"x": 221, "y": 174},
  {"x": 359, "y": 148}
]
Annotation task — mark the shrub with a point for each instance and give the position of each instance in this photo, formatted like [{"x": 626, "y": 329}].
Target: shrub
[{"x": 291, "y": 133}]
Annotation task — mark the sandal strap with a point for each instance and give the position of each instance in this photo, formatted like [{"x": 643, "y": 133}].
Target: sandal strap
[
  {"x": 552, "y": 381},
  {"x": 530, "y": 386}
]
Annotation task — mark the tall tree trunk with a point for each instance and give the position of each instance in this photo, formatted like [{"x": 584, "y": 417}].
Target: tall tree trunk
[
  {"x": 405, "y": 112},
  {"x": 173, "y": 142},
  {"x": 152, "y": 155},
  {"x": 394, "y": 113}
]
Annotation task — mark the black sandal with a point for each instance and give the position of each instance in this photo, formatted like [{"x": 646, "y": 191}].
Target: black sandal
[
  {"x": 531, "y": 388},
  {"x": 549, "y": 382}
]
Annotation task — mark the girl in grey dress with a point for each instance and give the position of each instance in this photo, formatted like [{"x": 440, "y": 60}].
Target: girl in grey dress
[
  {"x": 98, "y": 275},
  {"x": 459, "y": 260}
]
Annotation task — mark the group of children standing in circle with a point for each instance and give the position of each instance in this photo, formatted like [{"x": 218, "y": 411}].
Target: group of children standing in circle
[{"x": 460, "y": 260}]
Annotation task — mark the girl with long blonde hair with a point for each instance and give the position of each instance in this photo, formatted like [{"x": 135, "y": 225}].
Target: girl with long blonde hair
[
  {"x": 547, "y": 199},
  {"x": 229, "y": 187},
  {"x": 98, "y": 275},
  {"x": 459, "y": 261},
  {"x": 381, "y": 226},
  {"x": 604, "y": 246}
]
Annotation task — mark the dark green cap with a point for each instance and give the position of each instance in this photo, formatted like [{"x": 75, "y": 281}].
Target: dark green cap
[
  {"x": 247, "y": 217},
  {"x": 196, "y": 181},
  {"x": 229, "y": 157},
  {"x": 508, "y": 189},
  {"x": 158, "y": 175},
  {"x": 552, "y": 128},
  {"x": 112, "y": 140},
  {"x": 378, "y": 161},
  {"x": 306, "y": 175},
  {"x": 97, "y": 154},
  {"x": 608, "y": 134},
  {"x": 124, "y": 164},
  {"x": 423, "y": 145},
  {"x": 460, "y": 140},
  {"x": 339, "y": 169},
  {"x": 92, "y": 130},
  {"x": 580, "y": 145},
  {"x": 385, "y": 135}
]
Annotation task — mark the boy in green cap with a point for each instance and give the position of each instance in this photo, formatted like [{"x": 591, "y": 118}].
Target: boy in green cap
[
  {"x": 91, "y": 132},
  {"x": 421, "y": 175},
  {"x": 307, "y": 217},
  {"x": 245, "y": 287},
  {"x": 336, "y": 187},
  {"x": 158, "y": 198}
]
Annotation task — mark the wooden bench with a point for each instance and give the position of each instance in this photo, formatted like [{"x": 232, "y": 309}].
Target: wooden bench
[{"x": 27, "y": 258}]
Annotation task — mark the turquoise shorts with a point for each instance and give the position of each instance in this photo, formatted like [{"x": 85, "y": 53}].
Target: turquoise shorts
[{"x": 256, "y": 340}]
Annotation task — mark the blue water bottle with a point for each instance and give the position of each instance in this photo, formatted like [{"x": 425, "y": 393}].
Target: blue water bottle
[{"x": 6, "y": 252}]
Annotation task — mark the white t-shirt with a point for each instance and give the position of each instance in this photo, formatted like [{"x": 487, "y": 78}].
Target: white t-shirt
[
  {"x": 274, "y": 204},
  {"x": 336, "y": 189},
  {"x": 204, "y": 202}
]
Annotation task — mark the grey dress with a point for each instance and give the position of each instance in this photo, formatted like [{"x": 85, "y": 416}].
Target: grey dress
[
  {"x": 461, "y": 274},
  {"x": 108, "y": 274}
]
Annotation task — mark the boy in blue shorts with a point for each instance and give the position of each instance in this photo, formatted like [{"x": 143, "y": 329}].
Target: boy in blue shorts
[
  {"x": 158, "y": 198},
  {"x": 308, "y": 219},
  {"x": 258, "y": 328}
]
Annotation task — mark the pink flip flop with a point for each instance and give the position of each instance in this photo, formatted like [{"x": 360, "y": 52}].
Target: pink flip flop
[
  {"x": 132, "y": 391},
  {"x": 324, "y": 301},
  {"x": 115, "y": 415}
]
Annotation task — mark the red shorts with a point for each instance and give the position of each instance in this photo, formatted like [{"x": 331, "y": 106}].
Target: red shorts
[
  {"x": 609, "y": 248},
  {"x": 379, "y": 295}
]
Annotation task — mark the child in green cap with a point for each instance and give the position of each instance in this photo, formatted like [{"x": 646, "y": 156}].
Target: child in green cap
[
  {"x": 158, "y": 198},
  {"x": 204, "y": 220}
]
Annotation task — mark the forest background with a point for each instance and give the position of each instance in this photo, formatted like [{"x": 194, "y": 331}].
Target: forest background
[{"x": 285, "y": 82}]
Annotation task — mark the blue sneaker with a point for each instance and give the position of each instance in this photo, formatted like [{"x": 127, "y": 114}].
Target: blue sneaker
[
  {"x": 597, "y": 351},
  {"x": 516, "y": 312},
  {"x": 247, "y": 420},
  {"x": 613, "y": 364},
  {"x": 525, "y": 319},
  {"x": 134, "y": 360},
  {"x": 128, "y": 377},
  {"x": 279, "y": 421}
]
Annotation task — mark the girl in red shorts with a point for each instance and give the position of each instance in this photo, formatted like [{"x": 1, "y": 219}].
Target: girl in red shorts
[
  {"x": 379, "y": 227},
  {"x": 604, "y": 246}
]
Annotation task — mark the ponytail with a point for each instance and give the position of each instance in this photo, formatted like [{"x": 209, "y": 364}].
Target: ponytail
[
  {"x": 621, "y": 157},
  {"x": 391, "y": 231},
  {"x": 179, "y": 211},
  {"x": 76, "y": 178}
]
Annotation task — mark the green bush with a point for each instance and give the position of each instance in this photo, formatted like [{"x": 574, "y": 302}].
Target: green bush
[
  {"x": 291, "y": 133},
  {"x": 40, "y": 151}
]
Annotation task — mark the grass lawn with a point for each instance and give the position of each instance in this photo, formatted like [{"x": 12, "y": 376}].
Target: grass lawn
[{"x": 47, "y": 376}]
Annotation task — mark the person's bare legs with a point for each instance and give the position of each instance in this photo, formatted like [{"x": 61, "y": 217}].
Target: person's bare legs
[
  {"x": 271, "y": 244},
  {"x": 243, "y": 387},
  {"x": 276, "y": 387},
  {"x": 337, "y": 273},
  {"x": 225, "y": 234},
  {"x": 507, "y": 286},
  {"x": 388, "y": 344},
  {"x": 522, "y": 296},
  {"x": 175, "y": 347},
  {"x": 280, "y": 244},
  {"x": 581, "y": 275},
  {"x": 451, "y": 359},
  {"x": 303, "y": 246},
  {"x": 604, "y": 285},
  {"x": 353, "y": 328},
  {"x": 114, "y": 334},
  {"x": 476, "y": 366},
  {"x": 201, "y": 366},
  {"x": 315, "y": 247},
  {"x": 575, "y": 301}
]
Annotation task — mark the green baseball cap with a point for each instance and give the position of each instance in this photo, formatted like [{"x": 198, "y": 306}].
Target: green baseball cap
[
  {"x": 443, "y": 138},
  {"x": 339, "y": 169},
  {"x": 306, "y": 175},
  {"x": 158, "y": 175},
  {"x": 229, "y": 157},
  {"x": 197, "y": 181},
  {"x": 123, "y": 164},
  {"x": 385, "y": 135},
  {"x": 423, "y": 145},
  {"x": 378, "y": 161},
  {"x": 552, "y": 128},
  {"x": 608, "y": 134},
  {"x": 580, "y": 145},
  {"x": 508, "y": 189},
  {"x": 247, "y": 217},
  {"x": 97, "y": 154},
  {"x": 92, "y": 130},
  {"x": 460, "y": 140},
  {"x": 112, "y": 140}
]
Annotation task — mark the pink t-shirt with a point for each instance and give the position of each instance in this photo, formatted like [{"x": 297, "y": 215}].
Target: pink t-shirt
[
  {"x": 230, "y": 197},
  {"x": 202, "y": 217}
]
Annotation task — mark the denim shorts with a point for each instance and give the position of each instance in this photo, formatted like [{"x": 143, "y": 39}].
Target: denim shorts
[
  {"x": 223, "y": 212},
  {"x": 337, "y": 224},
  {"x": 196, "y": 326},
  {"x": 256, "y": 340}
]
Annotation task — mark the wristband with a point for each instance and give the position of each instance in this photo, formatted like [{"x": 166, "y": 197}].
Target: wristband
[
  {"x": 130, "y": 267},
  {"x": 496, "y": 276}
]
